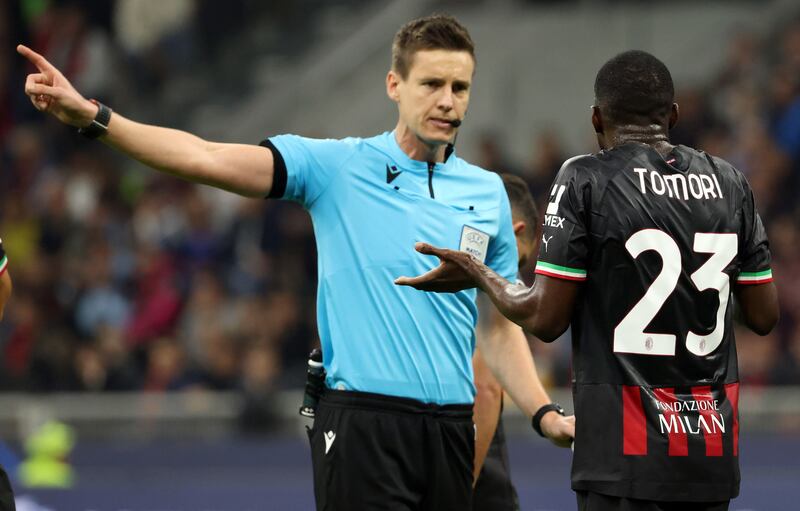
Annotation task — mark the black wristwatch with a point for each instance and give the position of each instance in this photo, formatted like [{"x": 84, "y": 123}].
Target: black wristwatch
[
  {"x": 99, "y": 124},
  {"x": 536, "y": 421}
]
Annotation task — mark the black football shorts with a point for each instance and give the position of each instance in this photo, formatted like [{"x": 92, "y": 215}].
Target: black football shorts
[
  {"x": 377, "y": 452},
  {"x": 494, "y": 490}
]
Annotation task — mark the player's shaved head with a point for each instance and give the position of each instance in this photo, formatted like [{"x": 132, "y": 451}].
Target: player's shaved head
[{"x": 634, "y": 87}]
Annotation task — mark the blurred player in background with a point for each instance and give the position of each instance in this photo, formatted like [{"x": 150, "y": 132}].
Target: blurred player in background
[
  {"x": 642, "y": 245},
  {"x": 6, "y": 492},
  {"x": 494, "y": 489},
  {"x": 394, "y": 428}
]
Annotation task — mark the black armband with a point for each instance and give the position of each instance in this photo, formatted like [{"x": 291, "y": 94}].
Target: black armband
[{"x": 279, "y": 174}]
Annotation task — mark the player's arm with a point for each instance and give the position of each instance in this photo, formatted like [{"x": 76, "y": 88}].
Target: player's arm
[
  {"x": 507, "y": 354},
  {"x": 759, "y": 306},
  {"x": 486, "y": 410},
  {"x": 543, "y": 309},
  {"x": 5, "y": 281},
  {"x": 243, "y": 169},
  {"x": 754, "y": 290},
  {"x": 5, "y": 291}
]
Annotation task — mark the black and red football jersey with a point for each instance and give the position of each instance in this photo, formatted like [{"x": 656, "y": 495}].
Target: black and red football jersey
[{"x": 658, "y": 243}]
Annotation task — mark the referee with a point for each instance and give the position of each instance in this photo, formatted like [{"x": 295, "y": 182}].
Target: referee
[{"x": 394, "y": 429}]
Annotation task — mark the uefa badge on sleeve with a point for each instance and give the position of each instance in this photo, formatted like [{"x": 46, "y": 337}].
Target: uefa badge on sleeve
[{"x": 474, "y": 242}]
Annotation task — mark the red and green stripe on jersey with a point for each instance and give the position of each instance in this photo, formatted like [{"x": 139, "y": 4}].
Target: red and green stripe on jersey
[
  {"x": 702, "y": 412},
  {"x": 565, "y": 272},
  {"x": 561, "y": 272},
  {"x": 755, "y": 277},
  {"x": 3, "y": 263}
]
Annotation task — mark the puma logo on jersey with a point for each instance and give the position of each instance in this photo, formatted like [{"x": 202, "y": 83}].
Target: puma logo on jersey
[
  {"x": 546, "y": 241},
  {"x": 330, "y": 436},
  {"x": 679, "y": 186}
]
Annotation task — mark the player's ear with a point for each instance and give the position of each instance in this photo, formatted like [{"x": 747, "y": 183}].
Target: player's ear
[
  {"x": 519, "y": 227},
  {"x": 597, "y": 119},
  {"x": 673, "y": 116},
  {"x": 392, "y": 82}
]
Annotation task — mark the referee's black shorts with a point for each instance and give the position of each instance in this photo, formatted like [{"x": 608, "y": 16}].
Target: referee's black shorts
[{"x": 377, "y": 452}]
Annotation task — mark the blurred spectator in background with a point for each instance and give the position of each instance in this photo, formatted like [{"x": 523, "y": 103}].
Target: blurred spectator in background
[
  {"x": 100, "y": 305},
  {"x": 155, "y": 37},
  {"x": 259, "y": 372},
  {"x": 166, "y": 366},
  {"x": 546, "y": 157},
  {"x": 491, "y": 155}
]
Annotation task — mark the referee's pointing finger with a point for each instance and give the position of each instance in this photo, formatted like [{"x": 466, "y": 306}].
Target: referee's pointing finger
[{"x": 37, "y": 60}]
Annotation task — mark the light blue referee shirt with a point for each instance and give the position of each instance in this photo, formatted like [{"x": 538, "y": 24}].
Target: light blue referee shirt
[{"x": 370, "y": 203}]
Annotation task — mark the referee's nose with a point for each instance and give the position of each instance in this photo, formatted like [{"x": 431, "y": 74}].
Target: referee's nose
[{"x": 445, "y": 101}]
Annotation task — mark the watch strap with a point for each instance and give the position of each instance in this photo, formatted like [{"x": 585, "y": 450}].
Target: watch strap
[
  {"x": 536, "y": 420},
  {"x": 99, "y": 125}
]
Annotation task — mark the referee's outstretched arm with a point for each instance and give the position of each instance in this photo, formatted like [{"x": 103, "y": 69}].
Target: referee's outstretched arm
[{"x": 239, "y": 168}]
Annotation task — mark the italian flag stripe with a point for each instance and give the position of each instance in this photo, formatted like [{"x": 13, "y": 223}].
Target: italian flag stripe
[
  {"x": 756, "y": 277},
  {"x": 3, "y": 264},
  {"x": 562, "y": 272}
]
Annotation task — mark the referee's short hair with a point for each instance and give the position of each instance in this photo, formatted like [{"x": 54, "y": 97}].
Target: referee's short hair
[
  {"x": 634, "y": 87},
  {"x": 522, "y": 205},
  {"x": 434, "y": 32}
]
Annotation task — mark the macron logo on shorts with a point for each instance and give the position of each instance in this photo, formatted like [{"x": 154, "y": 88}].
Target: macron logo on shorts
[{"x": 330, "y": 436}]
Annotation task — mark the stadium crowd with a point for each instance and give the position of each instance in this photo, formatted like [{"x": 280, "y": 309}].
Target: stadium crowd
[{"x": 128, "y": 280}]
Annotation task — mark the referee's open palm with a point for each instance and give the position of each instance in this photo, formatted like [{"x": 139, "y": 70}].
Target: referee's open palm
[{"x": 51, "y": 92}]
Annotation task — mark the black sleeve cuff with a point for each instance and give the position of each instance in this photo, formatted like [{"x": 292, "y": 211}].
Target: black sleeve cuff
[{"x": 279, "y": 175}]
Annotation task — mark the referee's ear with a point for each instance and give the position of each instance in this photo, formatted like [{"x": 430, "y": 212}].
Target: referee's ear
[{"x": 392, "y": 81}]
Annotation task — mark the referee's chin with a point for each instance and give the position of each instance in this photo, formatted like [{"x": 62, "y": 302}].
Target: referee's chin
[{"x": 436, "y": 141}]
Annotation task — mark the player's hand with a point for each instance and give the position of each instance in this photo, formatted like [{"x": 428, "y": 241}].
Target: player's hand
[
  {"x": 450, "y": 276},
  {"x": 559, "y": 429},
  {"x": 51, "y": 92}
]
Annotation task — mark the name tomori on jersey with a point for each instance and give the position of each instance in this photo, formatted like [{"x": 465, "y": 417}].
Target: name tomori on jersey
[{"x": 679, "y": 186}]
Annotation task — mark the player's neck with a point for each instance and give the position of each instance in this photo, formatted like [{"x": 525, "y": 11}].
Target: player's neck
[
  {"x": 416, "y": 148},
  {"x": 653, "y": 135}
]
